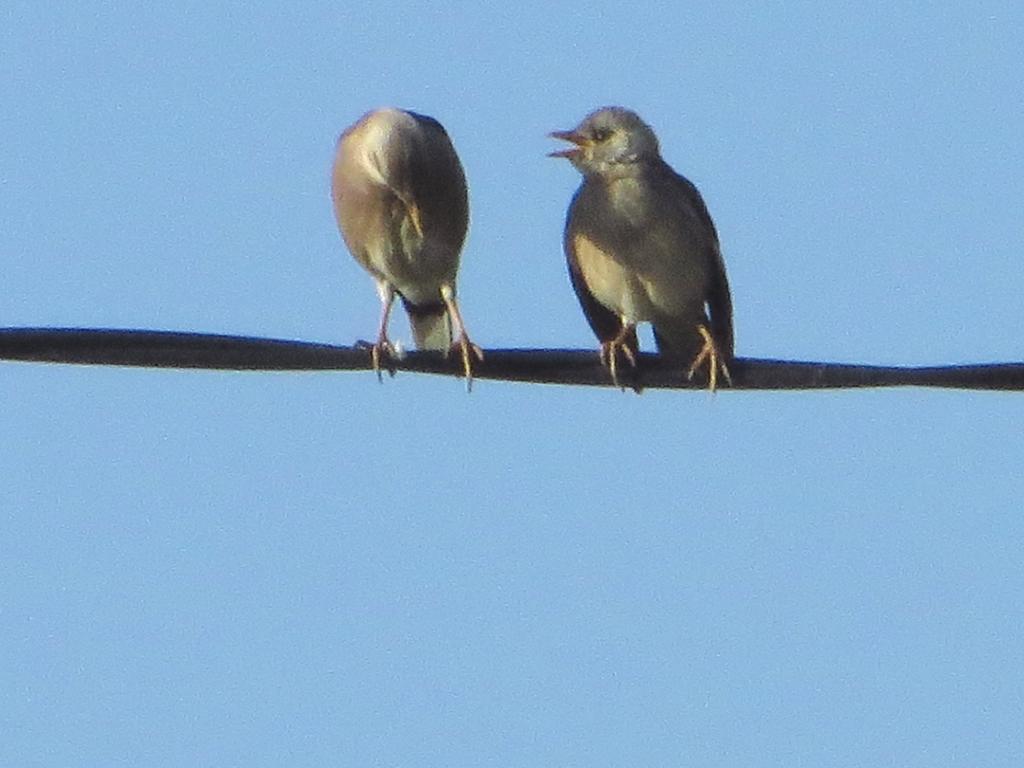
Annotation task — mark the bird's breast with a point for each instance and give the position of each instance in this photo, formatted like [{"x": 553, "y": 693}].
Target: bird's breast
[
  {"x": 634, "y": 253},
  {"x": 615, "y": 285}
]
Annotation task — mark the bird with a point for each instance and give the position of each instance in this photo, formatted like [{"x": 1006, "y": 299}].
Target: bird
[
  {"x": 402, "y": 205},
  {"x": 641, "y": 247}
]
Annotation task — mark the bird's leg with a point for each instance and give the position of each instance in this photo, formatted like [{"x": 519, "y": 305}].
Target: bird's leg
[
  {"x": 610, "y": 352},
  {"x": 709, "y": 351},
  {"x": 382, "y": 349},
  {"x": 466, "y": 347}
]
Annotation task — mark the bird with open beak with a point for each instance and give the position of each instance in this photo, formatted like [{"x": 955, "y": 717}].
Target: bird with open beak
[
  {"x": 402, "y": 206},
  {"x": 641, "y": 247}
]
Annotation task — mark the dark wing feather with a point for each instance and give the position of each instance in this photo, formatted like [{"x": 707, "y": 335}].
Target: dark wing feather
[
  {"x": 605, "y": 323},
  {"x": 720, "y": 307},
  {"x": 718, "y": 298},
  {"x": 438, "y": 184}
]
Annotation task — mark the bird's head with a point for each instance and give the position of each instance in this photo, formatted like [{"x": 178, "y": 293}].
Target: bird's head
[{"x": 609, "y": 139}]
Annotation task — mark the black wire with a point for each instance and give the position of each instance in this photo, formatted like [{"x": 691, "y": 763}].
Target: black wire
[{"x": 168, "y": 349}]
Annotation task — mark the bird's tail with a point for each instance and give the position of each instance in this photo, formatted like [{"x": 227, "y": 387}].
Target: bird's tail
[
  {"x": 678, "y": 341},
  {"x": 720, "y": 304},
  {"x": 431, "y": 328}
]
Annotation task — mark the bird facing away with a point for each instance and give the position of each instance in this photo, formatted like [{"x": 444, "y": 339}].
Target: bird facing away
[
  {"x": 641, "y": 247},
  {"x": 402, "y": 206}
]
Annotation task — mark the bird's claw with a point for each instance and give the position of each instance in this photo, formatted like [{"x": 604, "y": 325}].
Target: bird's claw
[
  {"x": 382, "y": 355},
  {"x": 709, "y": 352},
  {"x": 609, "y": 357},
  {"x": 467, "y": 351}
]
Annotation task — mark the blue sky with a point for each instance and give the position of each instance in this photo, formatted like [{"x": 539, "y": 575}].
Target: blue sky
[{"x": 202, "y": 568}]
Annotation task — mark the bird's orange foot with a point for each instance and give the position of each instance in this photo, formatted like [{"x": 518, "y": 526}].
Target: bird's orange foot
[
  {"x": 467, "y": 350},
  {"x": 710, "y": 353},
  {"x": 610, "y": 351},
  {"x": 382, "y": 355}
]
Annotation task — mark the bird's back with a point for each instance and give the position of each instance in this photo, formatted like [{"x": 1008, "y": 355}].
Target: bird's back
[{"x": 401, "y": 200}]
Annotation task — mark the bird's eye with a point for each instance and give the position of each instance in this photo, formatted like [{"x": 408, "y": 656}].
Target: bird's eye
[{"x": 601, "y": 134}]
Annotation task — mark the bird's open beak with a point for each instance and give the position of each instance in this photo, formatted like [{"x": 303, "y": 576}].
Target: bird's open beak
[{"x": 570, "y": 136}]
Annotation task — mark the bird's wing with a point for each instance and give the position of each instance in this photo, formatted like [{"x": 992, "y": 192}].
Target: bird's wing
[
  {"x": 718, "y": 298},
  {"x": 720, "y": 306},
  {"x": 359, "y": 206},
  {"x": 432, "y": 183},
  {"x": 605, "y": 323}
]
